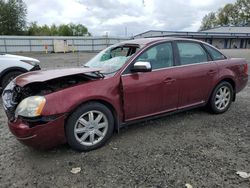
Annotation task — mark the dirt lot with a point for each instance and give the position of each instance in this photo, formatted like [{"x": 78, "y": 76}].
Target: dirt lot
[{"x": 193, "y": 147}]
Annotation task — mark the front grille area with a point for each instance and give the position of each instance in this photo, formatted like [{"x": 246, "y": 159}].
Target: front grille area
[{"x": 10, "y": 98}]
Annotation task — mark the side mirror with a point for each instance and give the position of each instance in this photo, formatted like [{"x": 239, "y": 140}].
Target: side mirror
[{"x": 141, "y": 66}]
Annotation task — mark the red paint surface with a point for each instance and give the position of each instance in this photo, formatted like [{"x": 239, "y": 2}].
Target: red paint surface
[
  {"x": 41, "y": 76},
  {"x": 43, "y": 136}
]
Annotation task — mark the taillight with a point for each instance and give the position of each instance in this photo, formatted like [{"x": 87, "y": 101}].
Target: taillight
[{"x": 245, "y": 68}]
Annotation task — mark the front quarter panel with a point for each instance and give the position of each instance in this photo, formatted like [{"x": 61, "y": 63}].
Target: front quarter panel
[{"x": 67, "y": 100}]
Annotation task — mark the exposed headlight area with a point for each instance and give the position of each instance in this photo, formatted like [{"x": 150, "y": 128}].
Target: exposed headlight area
[
  {"x": 27, "y": 108},
  {"x": 30, "y": 107},
  {"x": 7, "y": 95}
]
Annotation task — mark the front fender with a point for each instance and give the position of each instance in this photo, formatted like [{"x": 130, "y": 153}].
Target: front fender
[{"x": 67, "y": 100}]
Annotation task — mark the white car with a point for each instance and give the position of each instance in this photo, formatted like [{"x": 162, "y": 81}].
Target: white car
[{"x": 13, "y": 65}]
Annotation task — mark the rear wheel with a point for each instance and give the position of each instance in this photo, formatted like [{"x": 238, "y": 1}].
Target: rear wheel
[
  {"x": 7, "y": 78},
  {"x": 221, "y": 98},
  {"x": 89, "y": 127}
]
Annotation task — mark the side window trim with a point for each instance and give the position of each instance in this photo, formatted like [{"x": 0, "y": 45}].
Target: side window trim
[
  {"x": 212, "y": 59},
  {"x": 176, "y": 53},
  {"x": 176, "y": 50},
  {"x": 209, "y": 56},
  {"x": 127, "y": 70}
]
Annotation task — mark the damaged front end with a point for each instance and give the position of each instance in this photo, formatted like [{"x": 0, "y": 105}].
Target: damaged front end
[
  {"x": 14, "y": 94},
  {"x": 9, "y": 96},
  {"x": 24, "y": 100}
]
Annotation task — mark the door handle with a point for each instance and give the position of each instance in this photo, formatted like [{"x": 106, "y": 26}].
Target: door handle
[
  {"x": 169, "y": 80},
  {"x": 211, "y": 72}
]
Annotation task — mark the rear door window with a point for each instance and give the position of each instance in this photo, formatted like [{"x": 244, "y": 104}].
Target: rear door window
[{"x": 191, "y": 53}]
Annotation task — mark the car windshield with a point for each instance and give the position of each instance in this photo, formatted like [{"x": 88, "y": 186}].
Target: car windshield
[{"x": 111, "y": 59}]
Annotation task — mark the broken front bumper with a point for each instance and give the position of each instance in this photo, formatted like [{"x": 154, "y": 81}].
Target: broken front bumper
[
  {"x": 41, "y": 136},
  {"x": 42, "y": 132}
]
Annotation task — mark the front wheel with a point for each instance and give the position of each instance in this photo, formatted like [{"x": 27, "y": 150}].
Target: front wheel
[
  {"x": 89, "y": 127},
  {"x": 221, "y": 98}
]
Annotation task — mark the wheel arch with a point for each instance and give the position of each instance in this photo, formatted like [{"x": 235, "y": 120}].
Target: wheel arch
[
  {"x": 11, "y": 69},
  {"x": 230, "y": 81},
  {"x": 105, "y": 103}
]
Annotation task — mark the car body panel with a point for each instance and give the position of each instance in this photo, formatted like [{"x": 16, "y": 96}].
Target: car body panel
[
  {"x": 12, "y": 63},
  {"x": 42, "y": 76},
  {"x": 149, "y": 93},
  {"x": 202, "y": 77},
  {"x": 8, "y": 60},
  {"x": 42, "y": 136},
  {"x": 233, "y": 71},
  {"x": 10, "y": 56},
  {"x": 106, "y": 90}
]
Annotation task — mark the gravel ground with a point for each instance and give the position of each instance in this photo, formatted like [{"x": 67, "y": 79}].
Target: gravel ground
[{"x": 192, "y": 147}]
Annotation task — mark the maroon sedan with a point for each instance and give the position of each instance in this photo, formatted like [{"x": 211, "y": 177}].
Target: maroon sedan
[{"x": 126, "y": 82}]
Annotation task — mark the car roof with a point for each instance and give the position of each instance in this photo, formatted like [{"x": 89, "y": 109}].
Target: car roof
[{"x": 147, "y": 41}]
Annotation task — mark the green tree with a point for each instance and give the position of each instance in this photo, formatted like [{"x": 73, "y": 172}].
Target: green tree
[
  {"x": 53, "y": 30},
  {"x": 62, "y": 30},
  {"x": 33, "y": 29},
  {"x": 12, "y": 17},
  {"x": 209, "y": 21},
  {"x": 78, "y": 30},
  {"x": 45, "y": 30},
  {"x": 230, "y": 14},
  {"x": 243, "y": 7}
]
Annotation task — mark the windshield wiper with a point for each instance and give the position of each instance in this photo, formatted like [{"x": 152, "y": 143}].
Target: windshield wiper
[
  {"x": 99, "y": 74},
  {"x": 96, "y": 74}
]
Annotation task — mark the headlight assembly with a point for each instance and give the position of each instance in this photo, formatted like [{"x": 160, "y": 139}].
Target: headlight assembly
[{"x": 30, "y": 106}]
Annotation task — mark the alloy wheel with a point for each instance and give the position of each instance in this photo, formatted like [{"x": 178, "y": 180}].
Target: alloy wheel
[
  {"x": 222, "y": 98},
  {"x": 91, "y": 128}
]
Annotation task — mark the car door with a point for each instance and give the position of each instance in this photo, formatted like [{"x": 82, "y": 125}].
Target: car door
[
  {"x": 196, "y": 73},
  {"x": 149, "y": 93}
]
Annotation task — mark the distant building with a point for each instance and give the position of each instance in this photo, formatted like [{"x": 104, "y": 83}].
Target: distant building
[{"x": 221, "y": 37}]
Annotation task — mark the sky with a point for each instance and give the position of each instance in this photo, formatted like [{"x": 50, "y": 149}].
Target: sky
[{"x": 123, "y": 17}]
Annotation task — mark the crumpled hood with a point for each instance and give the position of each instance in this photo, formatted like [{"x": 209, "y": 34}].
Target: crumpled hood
[{"x": 42, "y": 76}]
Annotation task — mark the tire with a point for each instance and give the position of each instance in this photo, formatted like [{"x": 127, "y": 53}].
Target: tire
[
  {"x": 8, "y": 77},
  {"x": 221, "y": 98},
  {"x": 89, "y": 127}
]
